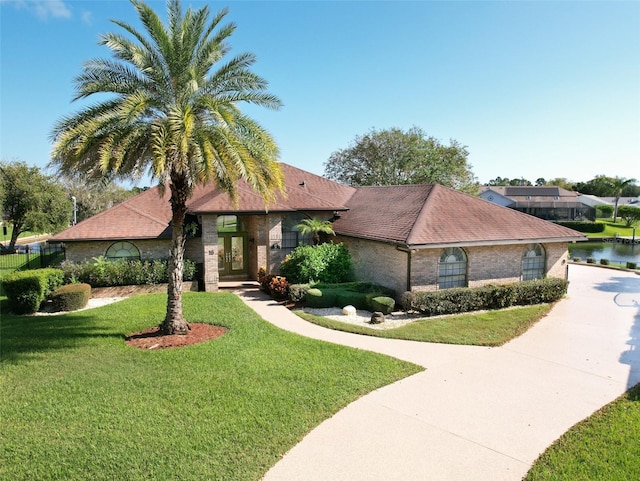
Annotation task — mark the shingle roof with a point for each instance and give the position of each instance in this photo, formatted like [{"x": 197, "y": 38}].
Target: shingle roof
[
  {"x": 410, "y": 215},
  {"x": 421, "y": 215},
  {"x": 148, "y": 216}
]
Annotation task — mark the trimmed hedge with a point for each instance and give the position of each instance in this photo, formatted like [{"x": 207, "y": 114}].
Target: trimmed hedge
[
  {"x": 589, "y": 227},
  {"x": 361, "y": 295},
  {"x": 101, "y": 272},
  {"x": 71, "y": 297},
  {"x": 458, "y": 300},
  {"x": 27, "y": 289}
]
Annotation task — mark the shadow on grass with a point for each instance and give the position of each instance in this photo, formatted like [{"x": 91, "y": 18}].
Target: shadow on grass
[{"x": 24, "y": 338}]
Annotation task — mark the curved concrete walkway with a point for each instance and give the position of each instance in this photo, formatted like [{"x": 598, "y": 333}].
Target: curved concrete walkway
[{"x": 476, "y": 413}]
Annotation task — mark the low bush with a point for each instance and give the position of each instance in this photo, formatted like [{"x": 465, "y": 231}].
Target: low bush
[
  {"x": 587, "y": 227},
  {"x": 632, "y": 265},
  {"x": 360, "y": 295},
  {"x": 27, "y": 289},
  {"x": 71, "y": 297},
  {"x": 591, "y": 260},
  {"x": 298, "y": 292},
  {"x": 604, "y": 262},
  {"x": 458, "y": 300},
  {"x": 320, "y": 299},
  {"x": 276, "y": 286},
  {"x": 383, "y": 304},
  {"x": 320, "y": 263},
  {"x": 101, "y": 272}
]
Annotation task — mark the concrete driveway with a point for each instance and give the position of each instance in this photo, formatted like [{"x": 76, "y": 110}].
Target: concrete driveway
[{"x": 476, "y": 413}]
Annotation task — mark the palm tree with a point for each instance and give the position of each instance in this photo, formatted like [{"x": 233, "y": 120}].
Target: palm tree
[
  {"x": 172, "y": 111},
  {"x": 616, "y": 186},
  {"x": 315, "y": 227}
]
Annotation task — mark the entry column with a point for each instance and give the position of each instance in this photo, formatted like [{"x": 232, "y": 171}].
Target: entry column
[{"x": 210, "y": 251}]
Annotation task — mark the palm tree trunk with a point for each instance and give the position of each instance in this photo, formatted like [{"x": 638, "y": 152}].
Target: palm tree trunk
[{"x": 174, "y": 322}]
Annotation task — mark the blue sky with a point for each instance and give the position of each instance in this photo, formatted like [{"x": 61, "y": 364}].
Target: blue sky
[{"x": 532, "y": 88}]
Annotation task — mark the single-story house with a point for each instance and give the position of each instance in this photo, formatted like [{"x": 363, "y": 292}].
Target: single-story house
[
  {"x": 546, "y": 202},
  {"x": 412, "y": 237}
]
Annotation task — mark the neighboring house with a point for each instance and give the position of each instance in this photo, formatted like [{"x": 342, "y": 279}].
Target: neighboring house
[
  {"x": 545, "y": 202},
  {"x": 415, "y": 237},
  {"x": 622, "y": 200}
]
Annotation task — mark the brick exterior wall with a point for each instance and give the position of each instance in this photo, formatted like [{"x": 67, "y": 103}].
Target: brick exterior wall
[
  {"x": 378, "y": 262},
  {"x": 85, "y": 251},
  {"x": 387, "y": 265},
  {"x": 372, "y": 261}
]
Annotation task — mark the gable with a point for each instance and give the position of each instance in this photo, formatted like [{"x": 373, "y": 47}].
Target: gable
[{"x": 148, "y": 215}]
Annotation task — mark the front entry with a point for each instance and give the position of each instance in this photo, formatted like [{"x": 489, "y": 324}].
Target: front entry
[{"x": 232, "y": 254}]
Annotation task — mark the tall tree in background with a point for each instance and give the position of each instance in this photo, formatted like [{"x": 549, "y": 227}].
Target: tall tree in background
[
  {"x": 616, "y": 187},
  {"x": 92, "y": 198},
  {"x": 172, "y": 108},
  {"x": 31, "y": 201},
  {"x": 396, "y": 157}
]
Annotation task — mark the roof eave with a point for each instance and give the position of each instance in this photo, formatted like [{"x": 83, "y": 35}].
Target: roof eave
[{"x": 485, "y": 243}]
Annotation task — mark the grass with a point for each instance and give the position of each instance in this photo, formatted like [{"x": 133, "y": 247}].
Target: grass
[
  {"x": 613, "y": 229},
  {"x": 490, "y": 328},
  {"x": 604, "y": 446},
  {"x": 77, "y": 403}
]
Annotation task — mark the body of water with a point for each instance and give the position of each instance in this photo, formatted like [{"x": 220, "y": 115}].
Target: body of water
[{"x": 617, "y": 252}]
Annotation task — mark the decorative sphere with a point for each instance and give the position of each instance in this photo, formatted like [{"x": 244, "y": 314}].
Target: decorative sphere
[{"x": 349, "y": 311}]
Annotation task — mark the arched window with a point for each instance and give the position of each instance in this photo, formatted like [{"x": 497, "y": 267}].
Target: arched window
[
  {"x": 122, "y": 250},
  {"x": 534, "y": 261},
  {"x": 452, "y": 268}
]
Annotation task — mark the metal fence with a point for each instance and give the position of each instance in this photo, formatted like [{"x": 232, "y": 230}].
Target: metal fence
[{"x": 33, "y": 257}]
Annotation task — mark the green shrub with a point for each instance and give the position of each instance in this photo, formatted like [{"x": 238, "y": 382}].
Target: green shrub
[
  {"x": 27, "y": 289},
  {"x": 632, "y": 265},
  {"x": 320, "y": 263},
  {"x": 604, "y": 262},
  {"x": 101, "y": 272},
  {"x": 588, "y": 227},
  {"x": 320, "y": 299},
  {"x": 298, "y": 292},
  {"x": 591, "y": 260},
  {"x": 71, "y": 297},
  {"x": 576, "y": 259},
  {"x": 345, "y": 297},
  {"x": 383, "y": 304},
  {"x": 453, "y": 301},
  {"x": 357, "y": 294}
]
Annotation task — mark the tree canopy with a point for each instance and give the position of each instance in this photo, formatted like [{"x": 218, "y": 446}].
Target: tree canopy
[
  {"x": 629, "y": 213},
  {"x": 31, "y": 201},
  {"x": 92, "y": 198},
  {"x": 168, "y": 102},
  {"x": 396, "y": 157}
]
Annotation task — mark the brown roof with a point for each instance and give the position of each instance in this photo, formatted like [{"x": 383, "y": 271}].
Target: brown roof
[
  {"x": 412, "y": 215},
  {"x": 148, "y": 216},
  {"x": 422, "y": 215}
]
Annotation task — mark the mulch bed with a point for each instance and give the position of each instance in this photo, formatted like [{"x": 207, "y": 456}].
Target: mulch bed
[{"x": 152, "y": 339}]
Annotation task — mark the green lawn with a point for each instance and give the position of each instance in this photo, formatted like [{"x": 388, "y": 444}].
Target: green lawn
[
  {"x": 603, "y": 447},
  {"x": 613, "y": 229},
  {"x": 491, "y": 328},
  {"x": 77, "y": 403}
]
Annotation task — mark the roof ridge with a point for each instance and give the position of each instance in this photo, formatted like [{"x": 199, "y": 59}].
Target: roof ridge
[{"x": 423, "y": 215}]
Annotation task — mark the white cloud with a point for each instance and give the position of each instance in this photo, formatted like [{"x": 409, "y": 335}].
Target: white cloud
[
  {"x": 87, "y": 17},
  {"x": 44, "y": 9}
]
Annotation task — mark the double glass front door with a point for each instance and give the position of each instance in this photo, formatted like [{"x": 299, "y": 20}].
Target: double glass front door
[{"x": 232, "y": 255}]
